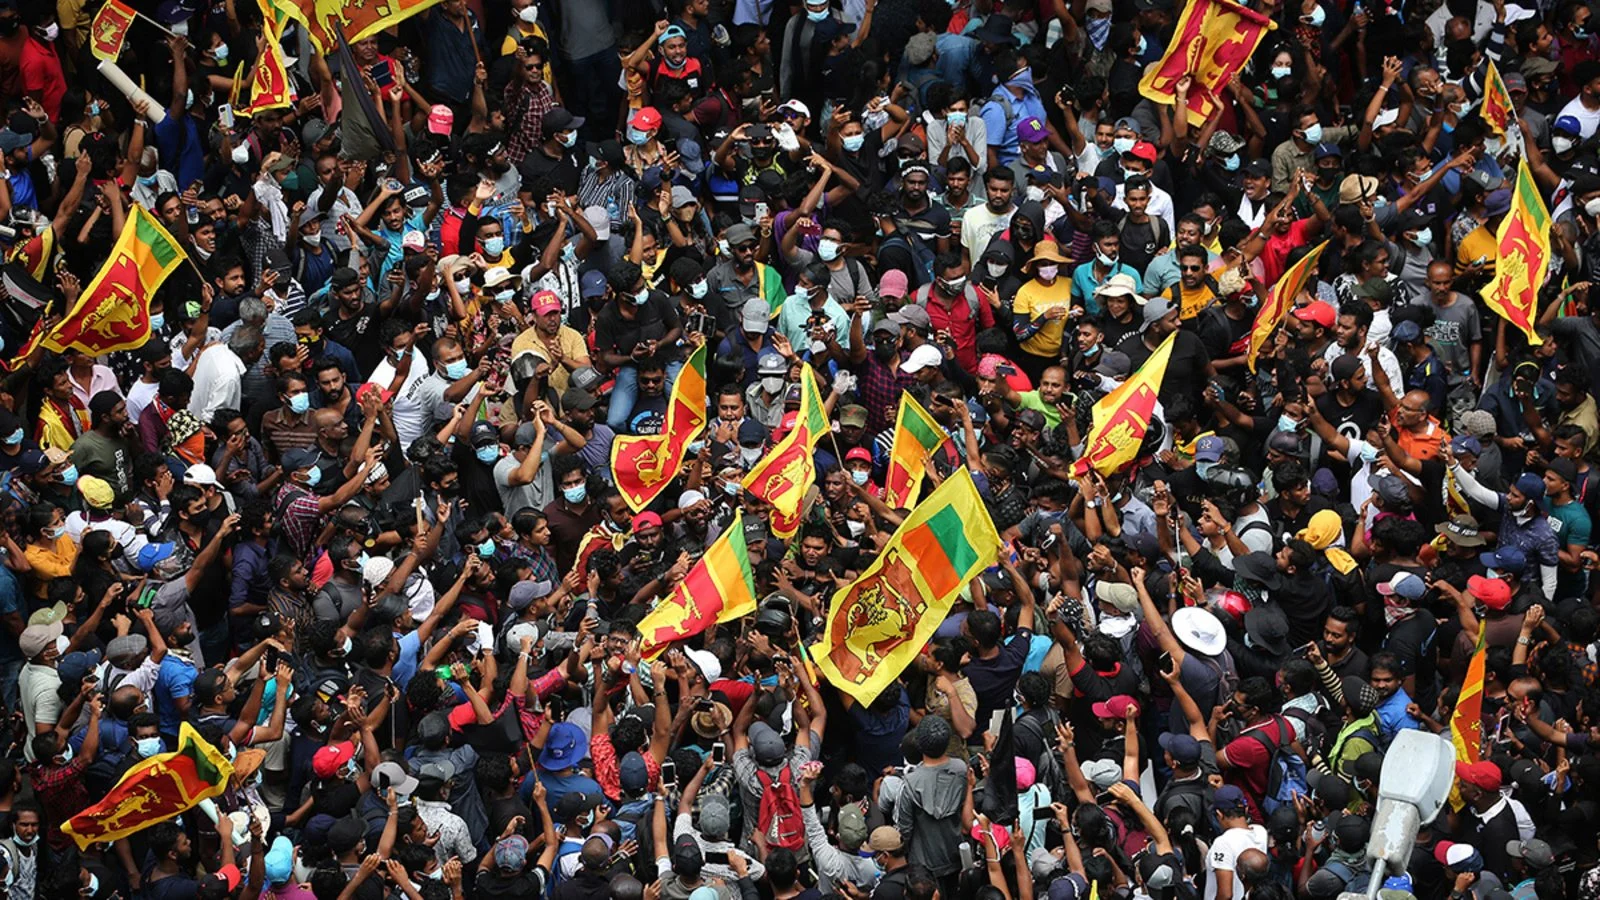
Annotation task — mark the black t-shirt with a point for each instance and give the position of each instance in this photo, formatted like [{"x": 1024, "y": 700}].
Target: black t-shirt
[
  {"x": 359, "y": 333},
  {"x": 1141, "y": 240},
  {"x": 1186, "y": 370},
  {"x": 617, "y": 334},
  {"x": 477, "y": 479},
  {"x": 560, "y": 172}
]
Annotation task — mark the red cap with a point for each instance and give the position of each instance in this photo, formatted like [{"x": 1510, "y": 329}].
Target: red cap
[
  {"x": 327, "y": 762},
  {"x": 1318, "y": 311},
  {"x": 786, "y": 425},
  {"x": 546, "y": 302},
  {"x": 860, "y": 453},
  {"x": 1494, "y": 592},
  {"x": 1115, "y": 707},
  {"x": 228, "y": 875},
  {"x": 1144, "y": 150},
  {"x": 645, "y": 520},
  {"x": 1441, "y": 850},
  {"x": 646, "y": 119},
  {"x": 1485, "y": 775}
]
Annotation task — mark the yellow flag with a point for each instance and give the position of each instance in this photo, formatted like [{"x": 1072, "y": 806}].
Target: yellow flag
[{"x": 1121, "y": 418}]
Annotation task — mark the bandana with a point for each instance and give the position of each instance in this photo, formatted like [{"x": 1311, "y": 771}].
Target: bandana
[{"x": 1324, "y": 528}]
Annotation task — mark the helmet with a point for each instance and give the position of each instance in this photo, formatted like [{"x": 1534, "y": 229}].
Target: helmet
[{"x": 1233, "y": 603}]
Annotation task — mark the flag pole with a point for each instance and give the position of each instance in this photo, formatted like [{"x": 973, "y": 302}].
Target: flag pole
[{"x": 168, "y": 31}]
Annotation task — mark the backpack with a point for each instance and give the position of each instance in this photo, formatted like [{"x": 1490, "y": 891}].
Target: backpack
[
  {"x": 1316, "y": 731},
  {"x": 1001, "y": 98},
  {"x": 919, "y": 251},
  {"x": 922, "y": 295},
  {"x": 1286, "y": 771},
  {"x": 1047, "y": 768},
  {"x": 1354, "y": 879},
  {"x": 632, "y": 815},
  {"x": 779, "y": 817}
]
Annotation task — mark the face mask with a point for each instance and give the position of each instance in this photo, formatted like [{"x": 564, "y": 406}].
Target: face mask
[
  {"x": 1424, "y": 237},
  {"x": 345, "y": 649},
  {"x": 487, "y": 454},
  {"x": 772, "y": 384},
  {"x": 220, "y": 53},
  {"x": 956, "y": 120},
  {"x": 26, "y": 842},
  {"x": 1281, "y": 71},
  {"x": 638, "y": 138},
  {"x": 505, "y": 296},
  {"x": 698, "y": 289},
  {"x": 569, "y": 253},
  {"x": 1034, "y": 193},
  {"x": 749, "y": 456},
  {"x": 313, "y": 477},
  {"x": 1318, "y": 16},
  {"x": 1104, "y": 259},
  {"x": 1314, "y": 134},
  {"x": 1231, "y": 164},
  {"x": 857, "y": 529},
  {"x": 437, "y": 874},
  {"x": 695, "y": 447},
  {"x": 723, "y": 247},
  {"x": 299, "y": 403},
  {"x": 1201, "y": 468},
  {"x": 1143, "y": 45},
  {"x": 147, "y": 180},
  {"x": 158, "y": 321},
  {"x": 1099, "y": 31},
  {"x": 94, "y": 108},
  {"x": 1286, "y": 423},
  {"x": 463, "y": 285},
  {"x": 816, "y": 15},
  {"x": 148, "y": 747},
  {"x": 1592, "y": 207},
  {"x": 494, "y": 246},
  {"x": 1120, "y": 146},
  {"x": 69, "y": 476},
  {"x": 1048, "y": 273},
  {"x": 55, "y": 533},
  {"x": 575, "y": 494},
  {"x": 996, "y": 270},
  {"x": 859, "y": 476},
  {"x": 853, "y": 142},
  {"x": 241, "y": 154},
  {"x": 954, "y": 285},
  {"x": 642, "y": 297},
  {"x": 828, "y": 249},
  {"x": 14, "y": 438},
  {"x": 731, "y": 488},
  {"x": 66, "y": 754},
  {"x": 1561, "y": 144},
  {"x": 1369, "y": 454},
  {"x": 567, "y": 138}
]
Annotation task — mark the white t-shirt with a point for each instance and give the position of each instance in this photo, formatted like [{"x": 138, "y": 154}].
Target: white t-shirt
[
  {"x": 1588, "y": 119},
  {"x": 1225, "y": 852},
  {"x": 414, "y": 403},
  {"x": 139, "y": 397},
  {"x": 978, "y": 225}
]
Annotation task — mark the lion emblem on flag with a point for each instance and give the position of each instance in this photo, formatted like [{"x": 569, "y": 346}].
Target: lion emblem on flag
[{"x": 878, "y": 615}]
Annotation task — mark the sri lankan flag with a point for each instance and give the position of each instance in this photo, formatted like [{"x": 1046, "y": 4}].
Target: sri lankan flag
[
  {"x": 1280, "y": 300},
  {"x": 1466, "y": 720},
  {"x": 1524, "y": 260},
  {"x": 113, "y": 312},
  {"x": 783, "y": 476},
  {"x": 109, "y": 29},
  {"x": 356, "y": 19},
  {"x": 646, "y": 464},
  {"x": 154, "y": 791},
  {"x": 878, "y": 624},
  {"x": 35, "y": 253},
  {"x": 916, "y": 434},
  {"x": 1211, "y": 42},
  {"x": 1121, "y": 418},
  {"x": 719, "y": 588},
  {"x": 269, "y": 80},
  {"x": 1496, "y": 110}
]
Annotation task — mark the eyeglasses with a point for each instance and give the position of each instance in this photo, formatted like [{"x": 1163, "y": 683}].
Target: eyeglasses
[
  {"x": 746, "y": 247},
  {"x": 1191, "y": 268},
  {"x": 652, "y": 380}
]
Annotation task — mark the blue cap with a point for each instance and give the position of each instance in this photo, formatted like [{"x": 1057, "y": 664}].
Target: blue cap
[
  {"x": 280, "y": 860},
  {"x": 1567, "y": 125},
  {"x": 1505, "y": 558},
  {"x": 74, "y": 666},
  {"x": 1466, "y": 443},
  {"x": 563, "y": 747},
  {"x": 1325, "y": 150},
  {"x": 1229, "y": 798},
  {"x": 300, "y": 458},
  {"x": 592, "y": 284},
  {"x": 1530, "y": 486},
  {"x": 1185, "y": 749},
  {"x": 1208, "y": 449},
  {"x": 1406, "y": 333},
  {"x": 152, "y": 554},
  {"x": 1405, "y": 585}
]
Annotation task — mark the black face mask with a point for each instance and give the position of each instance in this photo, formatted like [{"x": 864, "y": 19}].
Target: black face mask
[{"x": 886, "y": 351}]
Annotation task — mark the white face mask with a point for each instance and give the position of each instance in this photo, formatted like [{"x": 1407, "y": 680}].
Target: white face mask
[
  {"x": 529, "y": 14},
  {"x": 856, "y": 529},
  {"x": 1561, "y": 144},
  {"x": 771, "y": 384},
  {"x": 1592, "y": 207},
  {"x": 996, "y": 270},
  {"x": 241, "y": 154},
  {"x": 1035, "y": 193},
  {"x": 1048, "y": 273}
]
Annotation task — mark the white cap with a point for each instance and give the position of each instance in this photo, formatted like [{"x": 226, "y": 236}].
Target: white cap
[
  {"x": 497, "y": 276},
  {"x": 796, "y": 106},
  {"x": 599, "y": 221},
  {"x": 377, "y": 473},
  {"x": 689, "y": 498},
  {"x": 519, "y": 631},
  {"x": 377, "y": 570},
  {"x": 1387, "y": 117},
  {"x": 412, "y": 240},
  {"x": 200, "y": 474},
  {"x": 707, "y": 663},
  {"x": 921, "y": 358}
]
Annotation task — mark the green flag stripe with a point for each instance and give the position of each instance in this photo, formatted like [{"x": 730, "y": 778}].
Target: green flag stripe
[
  {"x": 951, "y": 532},
  {"x": 203, "y": 766},
  {"x": 926, "y": 433},
  {"x": 160, "y": 248}
]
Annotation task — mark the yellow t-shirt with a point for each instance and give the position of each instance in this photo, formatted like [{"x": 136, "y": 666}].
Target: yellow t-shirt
[
  {"x": 1034, "y": 299},
  {"x": 513, "y": 38},
  {"x": 52, "y": 563},
  {"x": 1479, "y": 242},
  {"x": 568, "y": 339}
]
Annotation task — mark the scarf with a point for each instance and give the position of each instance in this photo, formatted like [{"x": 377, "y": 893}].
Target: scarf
[{"x": 1324, "y": 528}]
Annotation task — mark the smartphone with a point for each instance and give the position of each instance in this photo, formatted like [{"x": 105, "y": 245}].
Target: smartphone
[
  {"x": 761, "y": 210},
  {"x": 1005, "y": 369},
  {"x": 719, "y": 754},
  {"x": 1045, "y": 812},
  {"x": 147, "y": 596},
  {"x": 225, "y": 115},
  {"x": 703, "y": 704},
  {"x": 380, "y": 73},
  {"x": 1165, "y": 662},
  {"x": 669, "y": 773},
  {"x": 272, "y": 659},
  {"x": 1304, "y": 648},
  {"x": 718, "y": 857}
]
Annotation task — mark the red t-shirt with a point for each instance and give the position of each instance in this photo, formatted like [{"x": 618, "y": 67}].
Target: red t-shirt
[
  {"x": 1249, "y": 758},
  {"x": 40, "y": 71},
  {"x": 1275, "y": 256}
]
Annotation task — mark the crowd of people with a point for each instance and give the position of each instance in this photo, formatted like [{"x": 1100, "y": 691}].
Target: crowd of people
[{"x": 350, "y": 512}]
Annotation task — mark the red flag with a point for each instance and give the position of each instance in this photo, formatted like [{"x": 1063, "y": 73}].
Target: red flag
[{"x": 109, "y": 29}]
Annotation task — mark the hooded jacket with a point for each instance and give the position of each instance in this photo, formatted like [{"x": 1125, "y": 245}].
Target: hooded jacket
[{"x": 928, "y": 815}]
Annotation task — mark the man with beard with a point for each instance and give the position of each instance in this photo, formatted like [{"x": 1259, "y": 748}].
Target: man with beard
[
  {"x": 334, "y": 196},
  {"x": 553, "y": 161},
  {"x": 105, "y": 451},
  {"x": 918, "y": 213},
  {"x": 557, "y": 348},
  {"x": 738, "y": 278},
  {"x": 1523, "y": 524}
]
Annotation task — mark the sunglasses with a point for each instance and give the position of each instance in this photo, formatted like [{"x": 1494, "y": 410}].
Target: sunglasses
[{"x": 1191, "y": 268}]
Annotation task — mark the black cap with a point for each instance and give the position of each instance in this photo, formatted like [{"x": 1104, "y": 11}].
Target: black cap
[{"x": 558, "y": 119}]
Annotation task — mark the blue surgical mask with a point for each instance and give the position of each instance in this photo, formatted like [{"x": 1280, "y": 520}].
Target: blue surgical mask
[
  {"x": 569, "y": 253},
  {"x": 148, "y": 747},
  {"x": 1201, "y": 468},
  {"x": 494, "y": 246},
  {"x": 816, "y": 15},
  {"x": 828, "y": 249},
  {"x": 1281, "y": 71},
  {"x": 505, "y": 296},
  {"x": 313, "y": 477},
  {"x": 157, "y": 321},
  {"x": 66, "y": 754},
  {"x": 698, "y": 289},
  {"x": 69, "y": 476},
  {"x": 1285, "y": 423},
  {"x": 455, "y": 371},
  {"x": 1369, "y": 453},
  {"x": 956, "y": 119},
  {"x": 147, "y": 180},
  {"x": 567, "y": 138},
  {"x": 1318, "y": 16},
  {"x": 1231, "y": 164},
  {"x": 299, "y": 403},
  {"x": 14, "y": 438},
  {"x": 1424, "y": 237},
  {"x": 695, "y": 447},
  {"x": 488, "y": 454},
  {"x": 853, "y": 142},
  {"x": 1314, "y": 134},
  {"x": 637, "y": 137},
  {"x": 642, "y": 297},
  {"x": 1120, "y": 146},
  {"x": 731, "y": 488},
  {"x": 56, "y": 533},
  {"x": 486, "y": 548},
  {"x": 94, "y": 108},
  {"x": 576, "y": 494},
  {"x": 859, "y": 476},
  {"x": 1143, "y": 45},
  {"x": 220, "y": 53}
]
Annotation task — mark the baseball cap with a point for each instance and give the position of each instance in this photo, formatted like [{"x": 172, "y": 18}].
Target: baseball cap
[
  {"x": 755, "y": 317},
  {"x": 893, "y": 284},
  {"x": 1031, "y": 130},
  {"x": 327, "y": 761},
  {"x": 1230, "y": 799},
  {"x": 1319, "y": 312},
  {"x": 1483, "y": 775},
  {"x": 1535, "y": 853},
  {"x": 646, "y": 119},
  {"x": 546, "y": 302},
  {"x": 1492, "y": 592},
  {"x": 440, "y": 119},
  {"x": 1505, "y": 558},
  {"x": 1406, "y": 332},
  {"x": 1185, "y": 750},
  {"x": 200, "y": 474},
  {"x": 1143, "y": 150},
  {"x": 592, "y": 284},
  {"x": 923, "y": 357},
  {"x": 1115, "y": 707},
  {"x": 1404, "y": 585},
  {"x": 1209, "y": 449}
]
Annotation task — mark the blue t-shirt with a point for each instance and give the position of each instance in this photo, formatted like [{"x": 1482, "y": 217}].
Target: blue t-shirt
[
  {"x": 174, "y": 681},
  {"x": 557, "y": 786}
]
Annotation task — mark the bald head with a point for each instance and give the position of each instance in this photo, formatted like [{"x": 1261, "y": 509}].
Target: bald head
[{"x": 1252, "y": 866}]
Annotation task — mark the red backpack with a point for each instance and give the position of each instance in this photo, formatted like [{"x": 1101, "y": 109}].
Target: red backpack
[{"x": 779, "y": 817}]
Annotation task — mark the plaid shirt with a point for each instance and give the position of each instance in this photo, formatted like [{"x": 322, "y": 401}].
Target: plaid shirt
[
  {"x": 879, "y": 389},
  {"x": 300, "y": 518},
  {"x": 62, "y": 794},
  {"x": 525, "y": 106}
]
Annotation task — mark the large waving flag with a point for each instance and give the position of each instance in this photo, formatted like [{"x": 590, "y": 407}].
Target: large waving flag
[
  {"x": 1281, "y": 299},
  {"x": 113, "y": 312},
  {"x": 1466, "y": 720},
  {"x": 109, "y": 29},
  {"x": 1524, "y": 260},
  {"x": 719, "y": 588},
  {"x": 1496, "y": 110},
  {"x": 916, "y": 434},
  {"x": 154, "y": 791},
  {"x": 783, "y": 476},
  {"x": 646, "y": 464},
  {"x": 35, "y": 253},
  {"x": 878, "y": 624},
  {"x": 269, "y": 80},
  {"x": 355, "y": 19},
  {"x": 1213, "y": 40},
  {"x": 1121, "y": 418}
]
